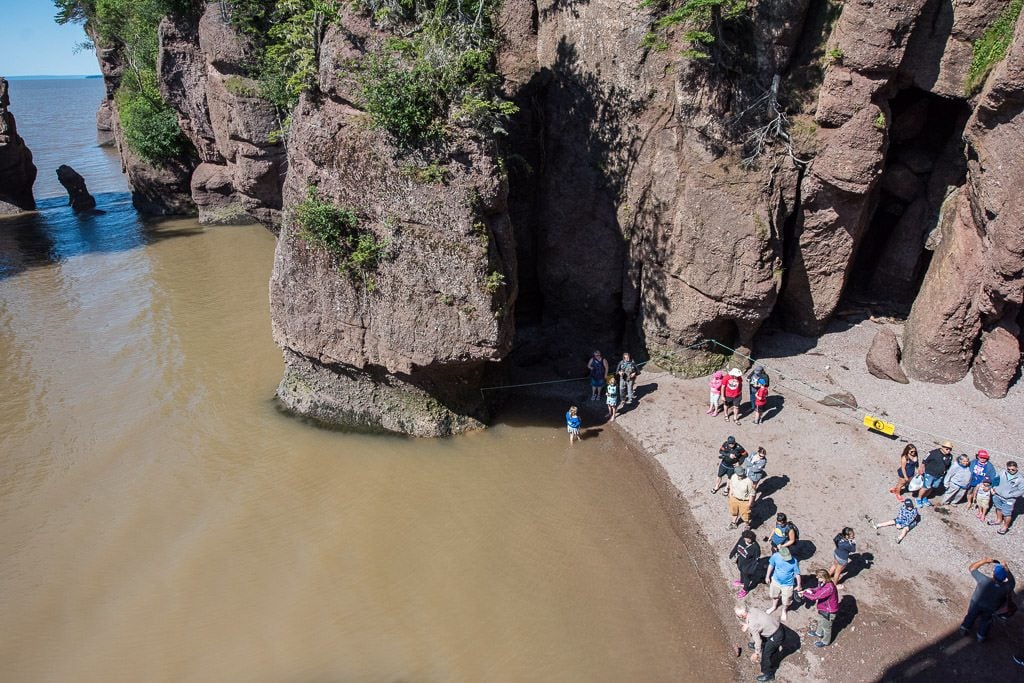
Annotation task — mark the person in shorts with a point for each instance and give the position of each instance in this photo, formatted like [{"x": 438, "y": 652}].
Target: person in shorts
[
  {"x": 783, "y": 578},
  {"x": 730, "y": 454},
  {"x": 572, "y": 423},
  {"x": 846, "y": 545},
  {"x": 732, "y": 394},
  {"x": 612, "y": 397},
  {"x": 907, "y": 517},
  {"x": 935, "y": 466},
  {"x": 983, "y": 498}
]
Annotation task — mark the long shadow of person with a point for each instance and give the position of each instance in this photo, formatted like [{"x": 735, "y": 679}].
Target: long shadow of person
[
  {"x": 858, "y": 563},
  {"x": 772, "y": 484},
  {"x": 803, "y": 549},
  {"x": 774, "y": 407},
  {"x": 844, "y": 617},
  {"x": 764, "y": 509},
  {"x": 643, "y": 390}
]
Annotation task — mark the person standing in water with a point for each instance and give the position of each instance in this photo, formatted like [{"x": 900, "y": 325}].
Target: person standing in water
[
  {"x": 597, "y": 369},
  {"x": 573, "y": 422}
]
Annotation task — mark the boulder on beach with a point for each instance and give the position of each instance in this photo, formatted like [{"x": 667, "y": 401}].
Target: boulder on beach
[
  {"x": 883, "y": 359},
  {"x": 74, "y": 183}
]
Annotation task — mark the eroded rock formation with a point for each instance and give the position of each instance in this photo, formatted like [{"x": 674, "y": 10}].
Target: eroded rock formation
[
  {"x": 78, "y": 194},
  {"x": 17, "y": 172},
  {"x": 407, "y": 353},
  {"x": 822, "y": 151}
]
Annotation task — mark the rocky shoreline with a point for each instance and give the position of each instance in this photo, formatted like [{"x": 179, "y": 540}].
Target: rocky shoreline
[{"x": 901, "y": 609}]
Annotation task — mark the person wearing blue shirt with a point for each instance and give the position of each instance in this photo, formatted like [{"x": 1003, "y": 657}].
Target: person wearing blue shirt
[{"x": 783, "y": 578}]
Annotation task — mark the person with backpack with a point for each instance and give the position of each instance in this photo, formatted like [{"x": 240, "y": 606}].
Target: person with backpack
[
  {"x": 784, "y": 534},
  {"x": 626, "y": 371},
  {"x": 846, "y": 545},
  {"x": 756, "y": 374}
]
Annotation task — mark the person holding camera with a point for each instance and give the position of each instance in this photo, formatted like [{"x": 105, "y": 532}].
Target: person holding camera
[{"x": 989, "y": 595}]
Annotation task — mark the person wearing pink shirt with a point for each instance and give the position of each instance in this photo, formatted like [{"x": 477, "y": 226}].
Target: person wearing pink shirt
[{"x": 827, "y": 597}]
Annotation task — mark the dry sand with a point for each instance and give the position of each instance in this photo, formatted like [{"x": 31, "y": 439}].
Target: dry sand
[{"x": 900, "y": 612}]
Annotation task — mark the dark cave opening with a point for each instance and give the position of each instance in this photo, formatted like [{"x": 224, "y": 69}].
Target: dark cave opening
[{"x": 923, "y": 163}]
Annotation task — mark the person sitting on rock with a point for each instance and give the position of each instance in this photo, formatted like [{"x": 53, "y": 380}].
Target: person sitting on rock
[{"x": 730, "y": 454}]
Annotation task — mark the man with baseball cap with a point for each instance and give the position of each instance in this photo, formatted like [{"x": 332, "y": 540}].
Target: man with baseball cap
[
  {"x": 989, "y": 595},
  {"x": 935, "y": 466}
]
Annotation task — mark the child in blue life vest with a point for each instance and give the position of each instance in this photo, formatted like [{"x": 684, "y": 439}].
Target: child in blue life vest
[{"x": 572, "y": 422}]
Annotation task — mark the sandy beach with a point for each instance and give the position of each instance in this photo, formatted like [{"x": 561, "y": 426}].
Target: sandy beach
[{"x": 901, "y": 608}]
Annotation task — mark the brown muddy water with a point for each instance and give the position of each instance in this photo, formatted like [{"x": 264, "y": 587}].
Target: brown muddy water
[{"x": 162, "y": 521}]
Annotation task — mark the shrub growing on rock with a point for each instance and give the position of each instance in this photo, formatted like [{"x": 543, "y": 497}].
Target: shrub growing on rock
[{"x": 336, "y": 229}]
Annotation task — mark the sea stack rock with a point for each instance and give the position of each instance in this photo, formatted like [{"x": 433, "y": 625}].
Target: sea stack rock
[
  {"x": 74, "y": 183},
  {"x": 17, "y": 172}
]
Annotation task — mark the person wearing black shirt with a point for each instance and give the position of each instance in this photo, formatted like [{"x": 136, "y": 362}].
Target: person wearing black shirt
[
  {"x": 747, "y": 553},
  {"x": 935, "y": 466},
  {"x": 730, "y": 454}
]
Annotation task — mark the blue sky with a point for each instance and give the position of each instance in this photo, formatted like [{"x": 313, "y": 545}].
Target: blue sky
[{"x": 32, "y": 44}]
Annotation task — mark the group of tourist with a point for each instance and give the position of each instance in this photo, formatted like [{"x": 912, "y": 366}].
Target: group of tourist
[
  {"x": 726, "y": 393},
  {"x": 976, "y": 483},
  {"x": 612, "y": 385}
]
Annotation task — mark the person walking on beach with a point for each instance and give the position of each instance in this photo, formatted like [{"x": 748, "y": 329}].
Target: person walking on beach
[
  {"x": 715, "y": 388},
  {"x": 935, "y": 466},
  {"x": 958, "y": 480},
  {"x": 907, "y": 517},
  {"x": 732, "y": 395},
  {"x": 626, "y": 372},
  {"x": 740, "y": 491},
  {"x": 572, "y": 423},
  {"x": 908, "y": 468},
  {"x": 597, "y": 368},
  {"x": 990, "y": 594},
  {"x": 783, "y": 578},
  {"x": 1005, "y": 492},
  {"x": 846, "y": 545},
  {"x": 766, "y": 636},
  {"x": 827, "y": 598},
  {"x": 730, "y": 454},
  {"x": 612, "y": 397},
  {"x": 747, "y": 553}
]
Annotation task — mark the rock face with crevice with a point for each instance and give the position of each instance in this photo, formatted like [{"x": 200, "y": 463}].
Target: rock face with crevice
[
  {"x": 823, "y": 152},
  {"x": 17, "y": 172}
]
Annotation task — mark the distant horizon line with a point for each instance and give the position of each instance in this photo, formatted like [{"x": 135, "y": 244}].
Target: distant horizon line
[{"x": 50, "y": 77}]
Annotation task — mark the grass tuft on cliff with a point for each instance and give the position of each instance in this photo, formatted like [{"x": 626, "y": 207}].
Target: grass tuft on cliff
[
  {"x": 130, "y": 27},
  {"x": 442, "y": 71},
  {"x": 991, "y": 48},
  {"x": 336, "y": 229}
]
